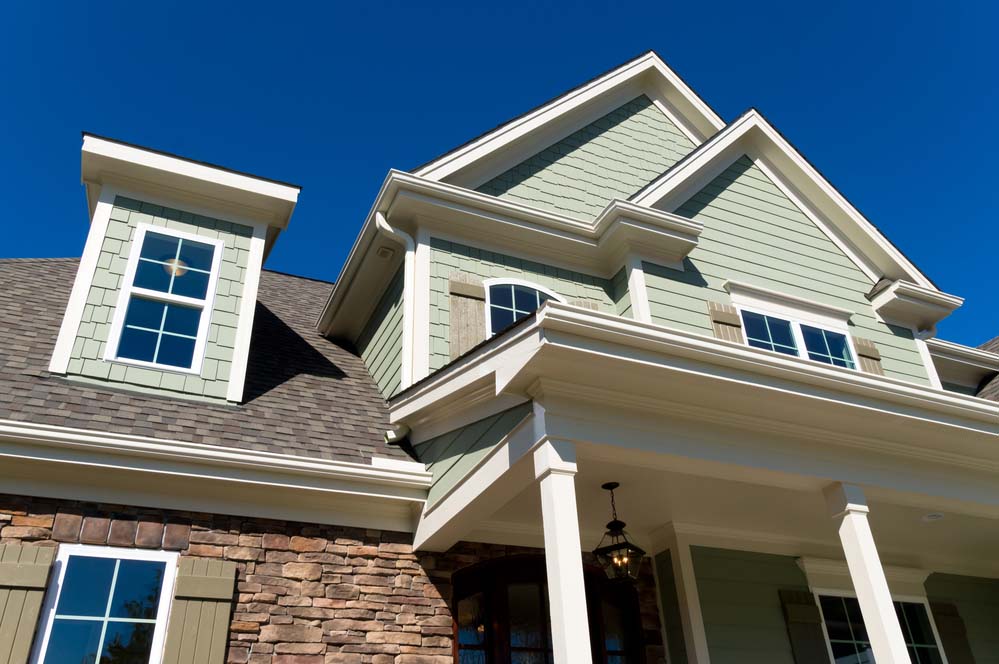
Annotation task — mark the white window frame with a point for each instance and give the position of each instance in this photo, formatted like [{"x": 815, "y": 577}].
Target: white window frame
[
  {"x": 910, "y": 599},
  {"x": 502, "y": 281},
  {"x": 54, "y": 590},
  {"x": 128, "y": 290},
  {"x": 799, "y": 337}
]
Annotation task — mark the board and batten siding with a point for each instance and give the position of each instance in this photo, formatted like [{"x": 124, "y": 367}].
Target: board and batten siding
[
  {"x": 977, "y": 602},
  {"x": 754, "y": 233},
  {"x": 613, "y": 157},
  {"x": 447, "y": 258},
  {"x": 87, "y": 357},
  {"x": 741, "y": 606},
  {"x": 451, "y": 456},
  {"x": 380, "y": 343}
]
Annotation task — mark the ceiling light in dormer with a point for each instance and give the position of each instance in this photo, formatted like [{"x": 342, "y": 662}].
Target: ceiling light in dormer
[
  {"x": 175, "y": 267},
  {"x": 933, "y": 516}
]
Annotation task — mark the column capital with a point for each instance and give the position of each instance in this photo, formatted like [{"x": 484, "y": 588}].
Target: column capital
[
  {"x": 554, "y": 457},
  {"x": 845, "y": 499}
]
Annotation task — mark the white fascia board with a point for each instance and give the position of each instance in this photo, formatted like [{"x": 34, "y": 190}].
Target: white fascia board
[
  {"x": 675, "y": 91},
  {"x": 80, "y": 446},
  {"x": 510, "y": 365},
  {"x": 752, "y": 134},
  {"x": 983, "y": 359},
  {"x": 911, "y": 305},
  {"x": 105, "y": 161},
  {"x": 751, "y": 296}
]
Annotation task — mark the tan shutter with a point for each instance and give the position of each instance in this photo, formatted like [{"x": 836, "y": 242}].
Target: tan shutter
[
  {"x": 804, "y": 627},
  {"x": 725, "y": 321},
  {"x": 468, "y": 313},
  {"x": 953, "y": 636},
  {"x": 199, "y": 616},
  {"x": 24, "y": 572},
  {"x": 868, "y": 356}
]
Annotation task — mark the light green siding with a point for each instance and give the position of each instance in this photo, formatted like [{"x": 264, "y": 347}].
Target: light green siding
[
  {"x": 380, "y": 344},
  {"x": 451, "y": 456},
  {"x": 977, "y": 602},
  {"x": 754, "y": 233},
  {"x": 743, "y": 617},
  {"x": 447, "y": 258},
  {"x": 611, "y": 158},
  {"x": 620, "y": 294},
  {"x": 670, "y": 603},
  {"x": 86, "y": 360}
]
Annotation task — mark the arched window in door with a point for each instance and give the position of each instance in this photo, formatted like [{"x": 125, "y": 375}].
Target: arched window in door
[{"x": 502, "y": 616}]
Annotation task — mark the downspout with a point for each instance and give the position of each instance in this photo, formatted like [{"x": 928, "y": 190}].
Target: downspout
[{"x": 409, "y": 284}]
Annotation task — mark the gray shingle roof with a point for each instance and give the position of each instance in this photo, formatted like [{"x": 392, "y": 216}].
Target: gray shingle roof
[
  {"x": 304, "y": 394},
  {"x": 990, "y": 390}
]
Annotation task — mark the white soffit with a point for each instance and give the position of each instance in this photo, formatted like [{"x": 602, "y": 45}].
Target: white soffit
[
  {"x": 494, "y": 152},
  {"x": 752, "y": 135},
  {"x": 914, "y": 306},
  {"x": 141, "y": 170}
]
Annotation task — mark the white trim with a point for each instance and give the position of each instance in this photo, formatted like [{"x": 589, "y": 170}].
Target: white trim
[
  {"x": 70, "y": 326},
  {"x": 752, "y": 133},
  {"x": 247, "y": 309},
  {"x": 127, "y": 289},
  {"x": 788, "y": 306},
  {"x": 799, "y": 336},
  {"x": 421, "y": 306},
  {"x": 518, "y": 129},
  {"x": 911, "y": 305},
  {"x": 924, "y": 354},
  {"x": 828, "y": 573},
  {"x": 688, "y": 598},
  {"x": 637, "y": 291},
  {"x": 408, "y": 289},
  {"x": 984, "y": 359},
  {"x": 500, "y": 281},
  {"x": 169, "y": 558}
]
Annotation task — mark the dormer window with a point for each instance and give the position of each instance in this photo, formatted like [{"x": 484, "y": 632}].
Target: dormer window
[
  {"x": 511, "y": 300},
  {"x": 797, "y": 338},
  {"x": 164, "y": 309}
]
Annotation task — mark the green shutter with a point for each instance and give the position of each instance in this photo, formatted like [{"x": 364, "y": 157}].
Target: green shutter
[
  {"x": 199, "y": 617},
  {"x": 24, "y": 571}
]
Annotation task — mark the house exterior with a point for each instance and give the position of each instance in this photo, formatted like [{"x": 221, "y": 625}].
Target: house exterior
[{"x": 206, "y": 461}]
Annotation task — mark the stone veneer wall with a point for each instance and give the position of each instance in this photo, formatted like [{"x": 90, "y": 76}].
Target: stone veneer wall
[{"x": 305, "y": 594}]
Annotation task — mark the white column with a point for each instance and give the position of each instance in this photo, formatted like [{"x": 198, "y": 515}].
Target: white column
[
  {"x": 555, "y": 469},
  {"x": 847, "y": 503}
]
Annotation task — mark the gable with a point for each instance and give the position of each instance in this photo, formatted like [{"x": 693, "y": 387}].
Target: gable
[
  {"x": 613, "y": 157},
  {"x": 754, "y": 233}
]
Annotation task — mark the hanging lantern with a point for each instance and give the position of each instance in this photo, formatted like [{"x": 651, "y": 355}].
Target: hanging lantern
[{"x": 620, "y": 558}]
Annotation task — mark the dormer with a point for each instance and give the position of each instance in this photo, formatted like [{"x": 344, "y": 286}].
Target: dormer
[{"x": 164, "y": 297}]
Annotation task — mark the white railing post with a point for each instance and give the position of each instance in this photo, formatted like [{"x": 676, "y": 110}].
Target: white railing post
[
  {"x": 848, "y": 504},
  {"x": 555, "y": 469}
]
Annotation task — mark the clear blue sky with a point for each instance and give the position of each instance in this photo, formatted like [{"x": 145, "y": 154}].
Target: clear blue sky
[{"x": 896, "y": 105}]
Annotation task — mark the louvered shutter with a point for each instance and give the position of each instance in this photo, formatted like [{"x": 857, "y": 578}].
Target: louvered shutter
[
  {"x": 24, "y": 572},
  {"x": 199, "y": 616},
  {"x": 725, "y": 321},
  {"x": 868, "y": 356},
  {"x": 468, "y": 313},
  {"x": 953, "y": 636},
  {"x": 804, "y": 627}
]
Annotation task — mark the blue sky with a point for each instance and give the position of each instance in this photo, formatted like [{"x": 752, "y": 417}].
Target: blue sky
[{"x": 896, "y": 105}]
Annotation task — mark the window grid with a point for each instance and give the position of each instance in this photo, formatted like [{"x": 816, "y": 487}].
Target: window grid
[
  {"x": 500, "y": 315},
  {"x": 920, "y": 653},
  {"x": 769, "y": 343},
  {"x": 828, "y": 357},
  {"x": 160, "y": 332},
  {"x": 798, "y": 339},
  {"x": 177, "y": 267}
]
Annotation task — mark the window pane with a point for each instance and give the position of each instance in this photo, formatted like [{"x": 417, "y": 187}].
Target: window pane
[
  {"x": 137, "y": 589},
  {"x": 197, "y": 255},
  {"x": 524, "y": 603},
  {"x": 928, "y": 656},
  {"x": 154, "y": 276},
  {"x": 137, "y": 345},
  {"x": 501, "y": 319},
  {"x": 86, "y": 586},
  {"x": 144, "y": 313},
  {"x": 920, "y": 632},
  {"x": 613, "y": 627},
  {"x": 865, "y": 655},
  {"x": 527, "y": 657},
  {"x": 175, "y": 351},
  {"x": 856, "y": 619},
  {"x": 472, "y": 657},
  {"x": 182, "y": 320},
  {"x": 73, "y": 641},
  {"x": 828, "y": 347},
  {"x": 501, "y": 295},
  {"x": 159, "y": 247},
  {"x": 471, "y": 621},
  {"x": 127, "y": 643},
  {"x": 190, "y": 284},
  {"x": 835, "y": 616},
  {"x": 780, "y": 330},
  {"x": 525, "y": 299},
  {"x": 756, "y": 327},
  {"x": 837, "y": 345}
]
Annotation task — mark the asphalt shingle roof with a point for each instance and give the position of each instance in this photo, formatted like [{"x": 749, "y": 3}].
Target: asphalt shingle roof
[{"x": 304, "y": 395}]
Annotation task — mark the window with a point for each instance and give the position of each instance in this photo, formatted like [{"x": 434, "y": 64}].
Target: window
[
  {"x": 108, "y": 606},
  {"x": 794, "y": 338},
  {"x": 162, "y": 315},
  {"x": 848, "y": 639},
  {"x": 509, "y": 301},
  {"x": 502, "y": 615}
]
